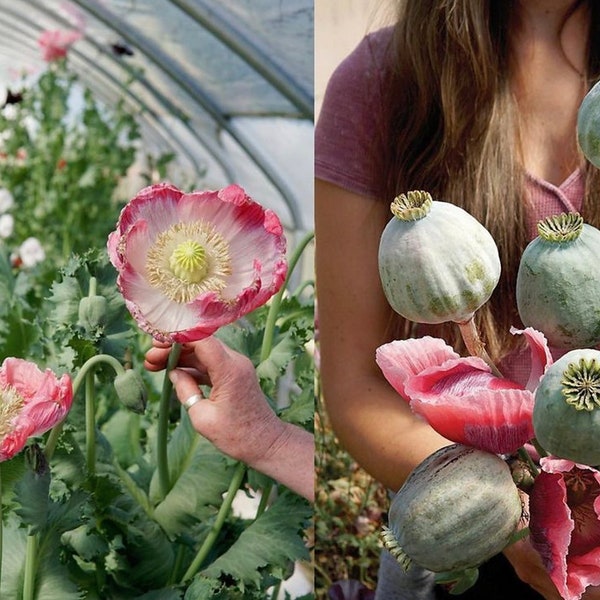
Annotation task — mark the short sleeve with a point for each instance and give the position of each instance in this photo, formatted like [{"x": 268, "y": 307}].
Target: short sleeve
[{"x": 348, "y": 129}]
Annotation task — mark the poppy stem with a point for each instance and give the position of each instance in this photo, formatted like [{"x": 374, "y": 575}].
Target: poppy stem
[
  {"x": 86, "y": 368},
  {"x": 162, "y": 459},
  {"x": 30, "y": 566},
  {"x": 526, "y": 458},
  {"x": 90, "y": 423},
  {"x": 269, "y": 333},
  {"x": 474, "y": 344},
  {"x": 213, "y": 534}
]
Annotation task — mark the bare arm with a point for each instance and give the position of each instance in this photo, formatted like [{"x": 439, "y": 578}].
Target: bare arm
[
  {"x": 372, "y": 422},
  {"x": 236, "y": 416}
]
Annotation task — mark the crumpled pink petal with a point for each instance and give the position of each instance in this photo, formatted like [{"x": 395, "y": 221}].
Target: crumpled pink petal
[
  {"x": 401, "y": 359},
  {"x": 47, "y": 400},
  {"x": 463, "y": 401},
  {"x": 459, "y": 396},
  {"x": 565, "y": 524}
]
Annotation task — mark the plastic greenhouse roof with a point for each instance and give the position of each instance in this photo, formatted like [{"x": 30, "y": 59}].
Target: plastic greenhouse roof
[{"x": 227, "y": 85}]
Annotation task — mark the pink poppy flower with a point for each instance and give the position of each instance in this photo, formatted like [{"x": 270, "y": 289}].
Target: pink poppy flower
[
  {"x": 56, "y": 43},
  {"x": 31, "y": 403},
  {"x": 564, "y": 524},
  {"x": 460, "y": 397},
  {"x": 190, "y": 263}
]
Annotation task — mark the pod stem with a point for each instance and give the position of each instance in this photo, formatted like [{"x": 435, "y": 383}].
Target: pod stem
[{"x": 475, "y": 345}]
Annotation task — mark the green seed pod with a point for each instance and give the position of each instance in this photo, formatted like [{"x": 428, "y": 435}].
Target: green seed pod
[
  {"x": 566, "y": 413},
  {"x": 588, "y": 126},
  {"x": 131, "y": 390},
  {"x": 558, "y": 283},
  {"x": 437, "y": 263},
  {"x": 92, "y": 311},
  {"x": 457, "y": 508}
]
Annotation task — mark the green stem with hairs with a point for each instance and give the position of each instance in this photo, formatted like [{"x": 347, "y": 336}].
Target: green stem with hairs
[
  {"x": 162, "y": 459},
  {"x": 213, "y": 534},
  {"x": 269, "y": 333},
  {"x": 90, "y": 423},
  {"x": 87, "y": 367},
  {"x": 474, "y": 345},
  {"x": 526, "y": 458},
  {"x": 30, "y": 566}
]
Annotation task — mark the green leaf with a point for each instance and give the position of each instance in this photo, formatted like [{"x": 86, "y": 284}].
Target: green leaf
[
  {"x": 200, "y": 474},
  {"x": 203, "y": 588},
  {"x": 52, "y": 581},
  {"x": 32, "y": 494},
  {"x": 123, "y": 432},
  {"x": 272, "y": 540},
  {"x": 302, "y": 408},
  {"x": 458, "y": 582},
  {"x": 11, "y": 471},
  {"x": 87, "y": 543},
  {"x": 164, "y": 594},
  {"x": 281, "y": 355}
]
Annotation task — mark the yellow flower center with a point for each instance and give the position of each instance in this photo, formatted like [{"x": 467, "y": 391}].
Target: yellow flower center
[
  {"x": 188, "y": 259},
  {"x": 11, "y": 404},
  {"x": 188, "y": 262}
]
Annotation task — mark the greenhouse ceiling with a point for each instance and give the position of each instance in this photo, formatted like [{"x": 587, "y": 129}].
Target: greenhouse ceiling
[{"x": 227, "y": 85}]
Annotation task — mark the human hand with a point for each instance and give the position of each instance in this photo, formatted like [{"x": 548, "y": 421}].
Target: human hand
[
  {"x": 236, "y": 416},
  {"x": 528, "y": 566}
]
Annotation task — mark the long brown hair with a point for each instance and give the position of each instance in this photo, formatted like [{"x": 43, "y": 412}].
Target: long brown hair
[{"x": 450, "y": 125}]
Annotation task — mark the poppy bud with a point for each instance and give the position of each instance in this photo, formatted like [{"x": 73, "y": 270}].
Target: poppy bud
[
  {"x": 131, "y": 390},
  {"x": 92, "y": 311}
]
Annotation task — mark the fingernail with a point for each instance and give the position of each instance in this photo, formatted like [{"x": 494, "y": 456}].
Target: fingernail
[{"x": 173, "y": 376}]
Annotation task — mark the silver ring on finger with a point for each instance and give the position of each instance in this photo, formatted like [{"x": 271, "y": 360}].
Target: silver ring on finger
[{"x": 191, "y": 401}]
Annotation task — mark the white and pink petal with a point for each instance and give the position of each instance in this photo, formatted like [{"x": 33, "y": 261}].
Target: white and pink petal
[{"x": 401, "y": 359}]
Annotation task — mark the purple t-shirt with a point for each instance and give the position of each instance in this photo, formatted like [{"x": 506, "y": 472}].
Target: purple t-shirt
[{"x": 345, "y": 133}]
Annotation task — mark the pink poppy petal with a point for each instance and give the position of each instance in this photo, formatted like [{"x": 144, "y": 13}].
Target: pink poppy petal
[
  {"x": 401, "y": 359},
  {"x": 497, "y": 421},
  {"x": 157, "y": 310},
  {"x": 46, "y": 401},
  {"x": 56, "y": 43},
  {"x": 112, "y": 245},
  {"x": 565, "y": 524},
  {"x": 457, "y": 376},
  {"x": 583, "y": 571},
  {"x": 255, "y": 245},
  {"x": 541, "y": 358},
  {"x": 466, "y": 403},
  {"x": 550, "y": 526},
  {"x": 138, "y": 242},
  {"x": 12, "y": 443},
  {"x": 273, "y": 224},
  {"x": 25, "y": 376},
  {"x": 156, "y": 204}
]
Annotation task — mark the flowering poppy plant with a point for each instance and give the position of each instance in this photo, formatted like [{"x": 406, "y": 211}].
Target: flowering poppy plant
[
  {"x": 55, "y": 44},
  {"x": 459, "y": 396},
  {"x": 564, "y": 524},
  {"x": 189, "y": 263},
  {"x": 32, "y": 402}
]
